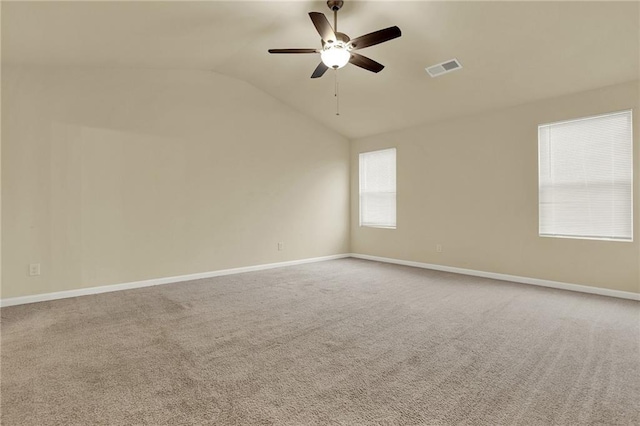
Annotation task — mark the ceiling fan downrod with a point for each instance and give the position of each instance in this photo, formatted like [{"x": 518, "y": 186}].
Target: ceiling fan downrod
[{"x": 335, "y": 6}]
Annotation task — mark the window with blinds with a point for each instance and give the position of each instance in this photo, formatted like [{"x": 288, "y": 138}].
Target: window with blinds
[
  {"x": 585, "y": 178},
  {"x": 378, "y": 188}
]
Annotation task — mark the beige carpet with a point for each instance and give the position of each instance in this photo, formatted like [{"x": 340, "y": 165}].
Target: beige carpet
[{"x": 343, "y": 342}]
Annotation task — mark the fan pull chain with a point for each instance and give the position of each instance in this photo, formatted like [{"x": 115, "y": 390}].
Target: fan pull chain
[{"x": 337, "y": 94}]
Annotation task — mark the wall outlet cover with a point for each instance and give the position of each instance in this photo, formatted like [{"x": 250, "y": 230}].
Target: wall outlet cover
[{"x": 34, "y": 269}]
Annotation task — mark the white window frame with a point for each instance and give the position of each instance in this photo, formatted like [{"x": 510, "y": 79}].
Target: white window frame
[
  {"x": 361, "y": 159},
  {"x": 595, "y": 238}
]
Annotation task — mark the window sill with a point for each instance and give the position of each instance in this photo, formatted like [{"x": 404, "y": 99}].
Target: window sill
[
  {"x": 377, "y": 226},
  {"x": 572, "y": 237}
]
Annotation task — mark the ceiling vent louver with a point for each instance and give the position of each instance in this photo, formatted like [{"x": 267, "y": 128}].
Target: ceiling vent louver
[{"x": 444, "y": 67}]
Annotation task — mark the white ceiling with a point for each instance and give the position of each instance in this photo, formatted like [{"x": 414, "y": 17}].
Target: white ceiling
[{"x": 512, "y": 52}]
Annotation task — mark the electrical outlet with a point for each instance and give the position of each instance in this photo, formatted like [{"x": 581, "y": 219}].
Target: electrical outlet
[
  {"x": 280, "y": 246},
  {"x": 34, "y": 269},
  {"x": 439, "y": 248}
]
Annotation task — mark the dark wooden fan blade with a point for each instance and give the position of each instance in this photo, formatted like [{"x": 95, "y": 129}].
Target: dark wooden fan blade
[
  {"x": 320, "y": 70},
  {"x": 366, "y": 63},
  {"x": 374, "y": 38},
  {"x": 323, "y": 26},
  {"x": 293, "y": 50}
]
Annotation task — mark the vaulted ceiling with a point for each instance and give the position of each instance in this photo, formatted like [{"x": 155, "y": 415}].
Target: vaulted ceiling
[{"x": 511, "y": 52}]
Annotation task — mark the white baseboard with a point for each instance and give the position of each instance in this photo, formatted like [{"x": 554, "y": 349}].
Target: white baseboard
[
  {"x": 181, "y": 278},
  {"x": 505, "y": 277},
  {"x": 157, "y": 281}
]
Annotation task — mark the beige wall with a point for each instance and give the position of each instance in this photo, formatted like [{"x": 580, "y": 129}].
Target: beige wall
[
  {"x": 112, "y": 176},
  {"x": 471, "y": 185}
]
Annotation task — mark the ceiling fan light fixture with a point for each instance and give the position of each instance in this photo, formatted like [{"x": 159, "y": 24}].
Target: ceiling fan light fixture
[
  {"x": 335, "y": 56},
  {"x": 338, "y": 49}
]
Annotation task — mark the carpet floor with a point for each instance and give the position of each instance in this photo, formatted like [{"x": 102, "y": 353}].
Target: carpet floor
[{"x": 343, "y": 342}]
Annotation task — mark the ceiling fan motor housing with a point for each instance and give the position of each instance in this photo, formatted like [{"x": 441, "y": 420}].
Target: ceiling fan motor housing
[{"x": 340, "y": 38}]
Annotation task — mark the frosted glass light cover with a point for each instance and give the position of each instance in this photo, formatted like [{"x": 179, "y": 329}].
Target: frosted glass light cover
[{"x": 335, "y": 56}]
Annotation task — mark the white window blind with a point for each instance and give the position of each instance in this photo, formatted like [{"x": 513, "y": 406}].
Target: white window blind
[
  {"x": 585, "y": 178},
  {"x": 378, "y": 188}
]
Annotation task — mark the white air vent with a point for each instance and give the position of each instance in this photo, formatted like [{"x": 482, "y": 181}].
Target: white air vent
[{"x": 444, "y": 67}]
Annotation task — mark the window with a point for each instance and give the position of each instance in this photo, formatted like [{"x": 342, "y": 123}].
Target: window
[
  {"x": 585, "y": 178},
  {"x": 378, "y": 188}
]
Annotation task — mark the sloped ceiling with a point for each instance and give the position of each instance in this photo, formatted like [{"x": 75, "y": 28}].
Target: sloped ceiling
[{"x": 512, "y": 52}]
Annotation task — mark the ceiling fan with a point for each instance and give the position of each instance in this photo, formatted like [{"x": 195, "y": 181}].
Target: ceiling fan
[{"x": 337, "y": 48}]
